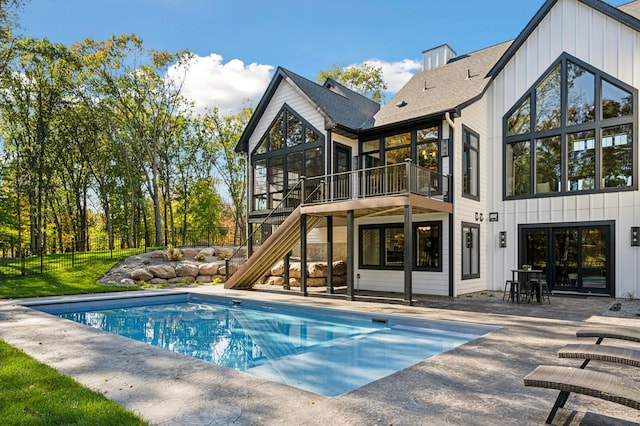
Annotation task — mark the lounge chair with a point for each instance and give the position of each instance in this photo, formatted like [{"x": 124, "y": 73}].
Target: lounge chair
[
  {"x": 599, "y": 352},
  {"x": 608, "y": 387},
  {"x": 620, "y": 333}
]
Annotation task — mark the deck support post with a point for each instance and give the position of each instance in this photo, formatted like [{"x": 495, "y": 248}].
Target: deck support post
[
  {"x": 287, "y": 261},
  {"x": 330, "y": 254},
  {"x": 350, "y": 254},
  {"x": 303, "y": 254},
  {"x": 408, "y": 252}
]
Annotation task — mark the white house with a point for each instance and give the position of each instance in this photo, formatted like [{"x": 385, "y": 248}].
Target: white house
[{"x": 521, "y": 153}]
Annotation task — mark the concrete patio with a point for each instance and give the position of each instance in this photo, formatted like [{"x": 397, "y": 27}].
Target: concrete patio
[{"x": 479, "y": 383}]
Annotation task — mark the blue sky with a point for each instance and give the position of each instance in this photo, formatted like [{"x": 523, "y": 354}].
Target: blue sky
[{"x": 239, "y": 43}]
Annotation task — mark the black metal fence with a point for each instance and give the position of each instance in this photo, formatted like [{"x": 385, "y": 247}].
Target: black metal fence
[{"x": 101, "y": 248}]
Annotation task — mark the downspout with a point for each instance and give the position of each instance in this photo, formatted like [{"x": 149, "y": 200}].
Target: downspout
[{"x": 447, "y": 117}]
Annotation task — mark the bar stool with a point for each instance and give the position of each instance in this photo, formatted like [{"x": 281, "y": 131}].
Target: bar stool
[
  {"x": 543, "y": 288},
  {"x": 513, "y": 289}
]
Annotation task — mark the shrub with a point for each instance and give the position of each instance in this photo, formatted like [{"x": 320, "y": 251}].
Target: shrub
[{"x": 173, "y": 253}]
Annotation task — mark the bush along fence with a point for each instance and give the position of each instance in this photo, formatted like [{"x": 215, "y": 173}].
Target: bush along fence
[{"x": 98, "y": 248}]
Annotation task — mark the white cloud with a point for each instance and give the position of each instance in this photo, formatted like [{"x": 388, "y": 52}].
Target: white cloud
[
  {"x": 210, "y": 83},
  {"x": 396, "y": 74}
]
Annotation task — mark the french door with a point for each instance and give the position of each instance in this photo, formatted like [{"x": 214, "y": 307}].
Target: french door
[
  {"x": 574, "y": 258},
  {"x": 341, "y": 168}
]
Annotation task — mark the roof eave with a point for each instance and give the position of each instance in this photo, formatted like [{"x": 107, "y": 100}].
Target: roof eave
[{"x": 598, "y": 5}]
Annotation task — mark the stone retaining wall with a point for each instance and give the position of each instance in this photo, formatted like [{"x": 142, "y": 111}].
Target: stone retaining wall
[
  {"x": 187, "y": 270},
  {"x": 317, "y": 273}
]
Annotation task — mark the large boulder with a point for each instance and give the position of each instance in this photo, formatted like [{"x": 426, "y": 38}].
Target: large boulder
[
  {"x": 182, "y": 280},
  {"x": 316, "y": 282},
  {"x": 278, "y": 269},
  {"x": 141, "y": 274},
  {"x": 274, "y": 280},
  {"x": 189, "y": 252},
  {"x": 208, "y": 268},
  {"x": 295, "y": 270},
  {"x": 207, "y": 252},
  {"x": 204, "y": 279},
  {"x": 159, "y": 254},
  {"x": 127, "y": 282},
  {"x": 339, "y": 280},
  {"x": 294, "y": 282},
  {"x": 157, "y": 281},
  {"x": 339, "y": 267},
  {"x": 162, "y": 271},
  {"x": 187, "y": 270},
  {"x": 317, "y": 270}
]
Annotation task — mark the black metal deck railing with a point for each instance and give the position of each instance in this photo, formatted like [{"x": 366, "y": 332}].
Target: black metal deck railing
[{"x": 383, "y": 181}]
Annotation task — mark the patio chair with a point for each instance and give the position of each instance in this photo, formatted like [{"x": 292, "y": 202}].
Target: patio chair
[
  {"x": 602, "y": 332},
  {"x": 613, "y": 354},
  {"x": 567, "y": 380}
]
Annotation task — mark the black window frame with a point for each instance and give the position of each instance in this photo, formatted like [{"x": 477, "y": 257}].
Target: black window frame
[
  {"x": 269, "y": 154},
  {"x": 413, "y": 145},
  {"x": 598, "y": 125},
  {"x": 474, "y": 248},
  {"x": 381, "y": 228},
  {"x": 466, "y": 146}
]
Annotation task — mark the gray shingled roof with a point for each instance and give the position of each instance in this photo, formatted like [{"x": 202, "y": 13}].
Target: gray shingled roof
[
  {"x": 632, "y": 8},
  {"x": 342, "y": 105},
  {"x": 448, "y": 87},
  {"x": 342, "y": 108}
]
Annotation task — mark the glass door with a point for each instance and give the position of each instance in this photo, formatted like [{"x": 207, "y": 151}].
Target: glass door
[
  {"x": 565, "y": 259},
  {"x": 572, "y": 258},
  {"x": 341, "y": 169}
]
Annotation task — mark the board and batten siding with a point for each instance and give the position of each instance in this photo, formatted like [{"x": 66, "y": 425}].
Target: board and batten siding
[
  {"x": 423, "y": 282},
  {"x": 474, "y": 118},
  {"x": 609, "y": 46},
  {"x": 286, "y": 94}
]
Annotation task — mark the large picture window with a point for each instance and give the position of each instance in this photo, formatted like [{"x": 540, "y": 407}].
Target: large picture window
[
  {"x": 289, "y": 149},
  {"x": 382, "y": 246},
  {"x": 572, "y": 132}
]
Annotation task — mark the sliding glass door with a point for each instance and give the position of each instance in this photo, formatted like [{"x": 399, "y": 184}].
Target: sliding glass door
[{"x": 576, "y": 258}]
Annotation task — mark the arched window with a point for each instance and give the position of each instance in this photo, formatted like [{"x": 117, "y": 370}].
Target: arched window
[
  {"x": 290, "y": 148},
  {"x": 572, "y": 132}
]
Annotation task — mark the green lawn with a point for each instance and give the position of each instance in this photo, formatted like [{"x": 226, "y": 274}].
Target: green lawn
[
  {"x": 32, "y": 393},
  {"x": 77, "y": 280}
]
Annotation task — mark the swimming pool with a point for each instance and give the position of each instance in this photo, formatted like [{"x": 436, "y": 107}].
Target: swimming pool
[{"x": 324, "y": 351}]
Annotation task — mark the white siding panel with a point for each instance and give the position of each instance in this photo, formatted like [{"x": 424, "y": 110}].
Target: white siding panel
[
  {"x": 607, "y": 45},
  {"x": 435, "y": 283},
  {"x": 285, "y": 93},
  {"x": 570, "y": 25}
]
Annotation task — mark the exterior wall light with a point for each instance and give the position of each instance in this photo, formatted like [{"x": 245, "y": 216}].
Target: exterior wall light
[
  {"x": 503, "y": 239},
  {"x": 635, "y": 236}
]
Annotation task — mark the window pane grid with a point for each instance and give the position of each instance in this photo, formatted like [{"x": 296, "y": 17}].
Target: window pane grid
[{"x": 592, "y": 150}]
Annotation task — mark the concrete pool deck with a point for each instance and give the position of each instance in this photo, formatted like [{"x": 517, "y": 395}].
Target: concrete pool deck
[{"x": 479, "y": 383}]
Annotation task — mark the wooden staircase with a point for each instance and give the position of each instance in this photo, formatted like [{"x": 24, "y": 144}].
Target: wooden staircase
[{"x": 273, "y": 249}]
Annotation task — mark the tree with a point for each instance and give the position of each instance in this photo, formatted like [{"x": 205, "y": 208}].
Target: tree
[
  {"x": 366, "y": 80},
  {"x": 8, "y": 14},
  {"x": 144, "y": 101},
  {"x": 36, "y": 88},
  {"x": 219, "y": 136}
]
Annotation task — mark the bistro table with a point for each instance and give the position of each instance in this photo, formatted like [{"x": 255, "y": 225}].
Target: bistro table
[{"x": 525, "y": 274}]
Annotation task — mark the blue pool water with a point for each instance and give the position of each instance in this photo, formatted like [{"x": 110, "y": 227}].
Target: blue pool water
[{"x": 325, "y": 351}]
